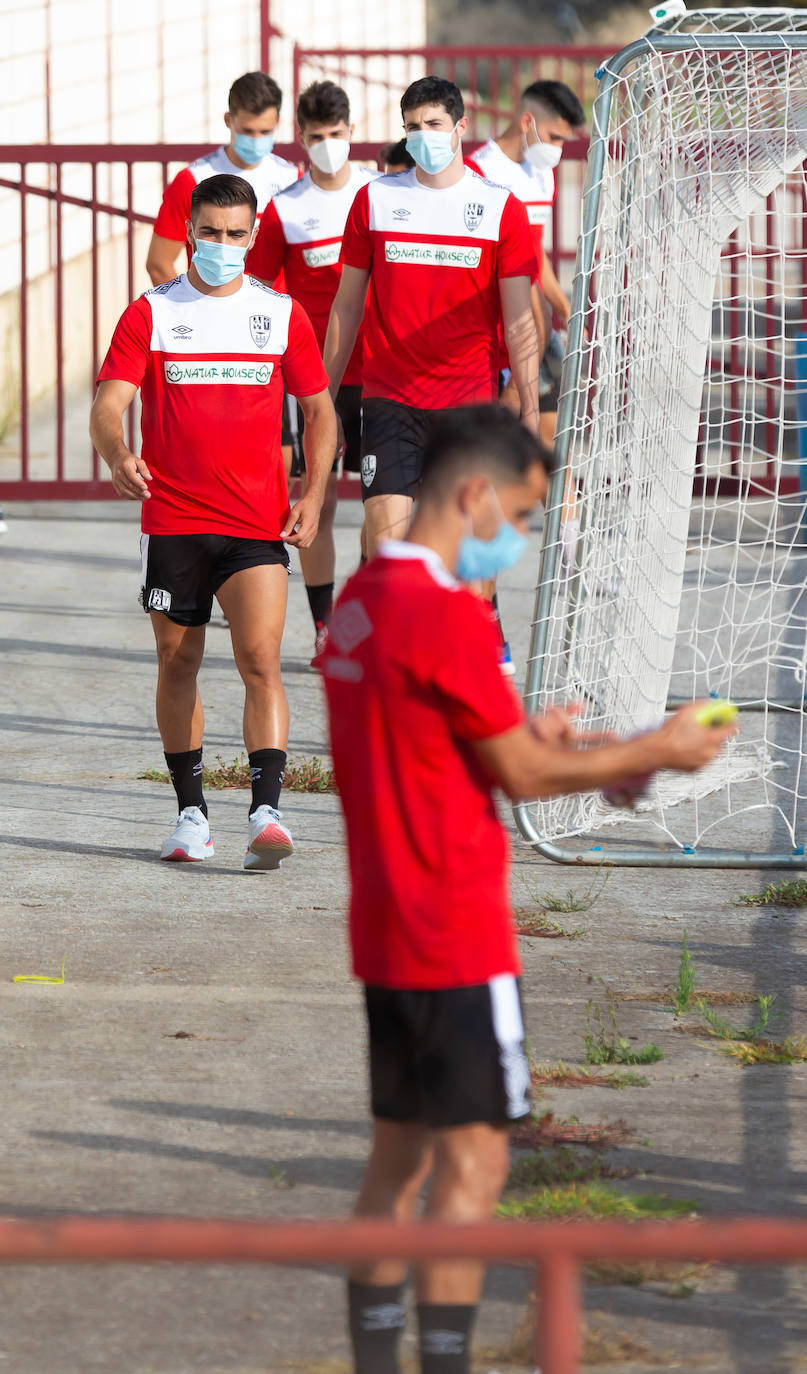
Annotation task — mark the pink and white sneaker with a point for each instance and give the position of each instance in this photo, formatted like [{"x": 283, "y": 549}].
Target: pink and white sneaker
[
  {"x": 191, "y": 838},
  {"x": 269, "y": 841}
]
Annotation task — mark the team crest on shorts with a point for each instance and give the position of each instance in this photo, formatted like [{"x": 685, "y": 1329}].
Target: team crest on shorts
[
  {"x": 369, "y": 463},
  {"x": 159, "y": 600},
  {"x": 260, "y": 327},
  {"x": 473, "y": 215}
]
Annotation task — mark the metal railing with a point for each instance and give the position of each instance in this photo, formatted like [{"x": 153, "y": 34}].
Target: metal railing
[{"x": 559, "y": 1250}]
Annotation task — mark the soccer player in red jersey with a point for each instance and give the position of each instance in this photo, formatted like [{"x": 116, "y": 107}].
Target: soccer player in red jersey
[
  {"x": 301, "y": 235},
  {"x": 210, "y": 353},
  {"x": 424, "y": 728},
  {"x": 254, "y": 109},
  {"x": 523, "y": 158},
  {"x": 446, "y": 255}
]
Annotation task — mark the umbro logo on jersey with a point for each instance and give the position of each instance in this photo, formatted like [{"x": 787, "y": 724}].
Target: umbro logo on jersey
[
  {"x": 401, "y": 214},
  {"x": 183, "y": 331},
  {"x": 311, "y": 224},
  {"x": 260, "y": 327},
  {"x": 473, "y": 215},
  {"x": 369, "y": 463}
]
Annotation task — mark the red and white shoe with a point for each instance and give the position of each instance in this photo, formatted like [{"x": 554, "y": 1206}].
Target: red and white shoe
[
  {"x": 319, "y": 645},
  {"x": 191, "y": 838},
  {"x": 269, "y": 841}
]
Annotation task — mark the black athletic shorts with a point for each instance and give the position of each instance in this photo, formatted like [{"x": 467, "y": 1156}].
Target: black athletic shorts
[
  {"x": 181, "y": 573},
  {"x": 348, "y": 408},
  {"x": 393, "y": 437},
  {"x": 449, "y": 1057}
]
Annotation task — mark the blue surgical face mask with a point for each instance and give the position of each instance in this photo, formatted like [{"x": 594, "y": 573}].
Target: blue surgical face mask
[
  {"x": 217, "y": 263},
  {"x": 479, "y": 560},
  {"x": 252, "y": 150},
  {"x": 432, "y": 149}
]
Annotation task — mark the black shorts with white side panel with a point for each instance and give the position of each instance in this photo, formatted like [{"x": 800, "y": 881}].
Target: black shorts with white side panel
[
  {"x": 448, "y": 1057},
  {"x": 348, "y": 408},
  {"x": 181, "y": 573},
  {"x": 393, "y": 437}
]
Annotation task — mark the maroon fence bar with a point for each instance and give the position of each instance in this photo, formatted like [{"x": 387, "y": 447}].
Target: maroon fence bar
[{"x": 557, "y": 1249}]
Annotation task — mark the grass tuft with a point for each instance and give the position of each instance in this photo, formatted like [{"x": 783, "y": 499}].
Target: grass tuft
[
  {"x": 684, "y": 988},
  {"x": 536, "y": 924},
  {"x": 723, "y": 1030},
  {"x": 549, "y": 1168},
  {"x": 605, "y": 1044},
  {"x": 548, "y": 1129},
  {"x": 792, "y": 892},
  {"x": 571, "y": 900},
  {"x": 301, "y": 775},
  {"x": 595, "y": 1199},
  {"x": 562, "y": 1075},
  {"x": 790, "y": 1051}
]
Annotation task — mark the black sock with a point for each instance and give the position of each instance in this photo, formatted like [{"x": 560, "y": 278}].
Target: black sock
[
  {"x": 376, "y": 1316},
  {"x": 320, "y": 599},
  {"x": 445, "y": 1337},
  {"x": 266, "y": 767},
  {"x": 185, "y": 770},
  {"x": 494, "y": 606}
]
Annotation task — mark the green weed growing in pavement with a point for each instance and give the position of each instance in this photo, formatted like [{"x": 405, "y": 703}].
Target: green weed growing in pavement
[
  {"x": 723, "y": 1030},
  {"x": 792, "y": 892},
  {"x": 595, "y": 1199},
  {"x": 572, "y": 900},
  {"x": 605, "y": 1044},
  {"x": 535, "y": 923},
  {"x": 549, "y": 1168},
  {"x": 301, "y": 775},
  {"x": 685, "y": 983}
]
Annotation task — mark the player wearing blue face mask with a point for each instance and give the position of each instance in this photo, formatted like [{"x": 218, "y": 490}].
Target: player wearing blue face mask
[{"x": 252, "y": 116}]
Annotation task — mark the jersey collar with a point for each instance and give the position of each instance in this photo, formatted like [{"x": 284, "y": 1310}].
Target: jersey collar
[{"x": 401, "y": 549}]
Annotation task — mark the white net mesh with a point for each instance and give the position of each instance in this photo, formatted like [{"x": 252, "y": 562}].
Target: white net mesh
[{"x": 687, "y": 577}]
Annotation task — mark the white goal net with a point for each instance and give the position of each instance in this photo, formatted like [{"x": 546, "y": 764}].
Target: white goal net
[{"x": 675, "y": 565}]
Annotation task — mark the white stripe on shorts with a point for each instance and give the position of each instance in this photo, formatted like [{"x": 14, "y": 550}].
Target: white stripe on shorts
[
  {"x": 144, "y": 560},
  {"x": 508, "y": 1027}
]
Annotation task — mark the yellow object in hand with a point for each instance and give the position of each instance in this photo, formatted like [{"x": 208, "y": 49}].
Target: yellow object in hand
[{"x": 717, "y": 714}]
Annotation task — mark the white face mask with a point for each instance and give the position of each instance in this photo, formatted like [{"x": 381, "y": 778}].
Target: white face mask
[
  {"x": 542, "y": 156},
  {"x": 330, "y": 154}
]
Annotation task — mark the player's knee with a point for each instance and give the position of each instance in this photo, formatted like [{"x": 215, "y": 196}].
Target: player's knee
[
  {"x": 474, "y": 1173},
  {"x": 178, "y": 660},
  {"x": 260, "y": 667}
]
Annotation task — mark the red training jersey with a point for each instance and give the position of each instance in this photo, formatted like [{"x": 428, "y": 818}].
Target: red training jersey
[
  {"x": 533, "y": 186},
  {"x": 412, "y": 678},
  {"x": 267, "y": 177},
  {"x": 301, "y": 235},
  {"x": 211, "y": 370},
  {"x": 435, "y": 258}
]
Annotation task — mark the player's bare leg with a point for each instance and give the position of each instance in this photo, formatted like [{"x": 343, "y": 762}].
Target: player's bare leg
[
  {"x": 399, "y": 1164},
  {"x": 254, "y": 602},
  {"x": 386, "y": 517},
  {"x": 471, "y": 1164},
  {"x": 180, "y": 720}
]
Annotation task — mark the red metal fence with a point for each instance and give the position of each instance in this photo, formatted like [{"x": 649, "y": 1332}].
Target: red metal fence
[{"x": 557, "y": 1249}]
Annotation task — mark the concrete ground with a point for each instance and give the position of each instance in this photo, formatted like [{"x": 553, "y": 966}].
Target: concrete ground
[{"x": 260, "y": 1110}]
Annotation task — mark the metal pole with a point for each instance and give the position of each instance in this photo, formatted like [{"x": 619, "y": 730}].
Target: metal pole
[{"x": 560, "y": 1322}]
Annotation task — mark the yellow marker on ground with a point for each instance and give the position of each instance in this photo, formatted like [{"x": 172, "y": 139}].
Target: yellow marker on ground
[{"x": 40, "y": 977}]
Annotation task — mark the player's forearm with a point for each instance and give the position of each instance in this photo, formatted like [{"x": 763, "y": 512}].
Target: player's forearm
[
  {"x": 549, "y": 772},
  {"x": 106, "y": 432},
  {"x": 525, "y": 357},
  {"x": 319, "y": 444},
  {"x": 340, "y": 340},
  {"x": 552, "y": 289}
]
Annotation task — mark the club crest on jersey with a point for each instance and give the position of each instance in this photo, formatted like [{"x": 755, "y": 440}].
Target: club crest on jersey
[
  {"x": 260, "y": 327},
  {"x": 473, "y": 215},
  {"x": 369, "y": 463}
]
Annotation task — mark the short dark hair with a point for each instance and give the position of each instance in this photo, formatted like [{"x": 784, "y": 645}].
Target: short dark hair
[
  {"x": 434, "y": 90},
  {"x": 396, "y": 154},
  {"x": 323, "y": 102},
  {"x": 254, "y": 92},
  {"x": 482, "y": 438},
  {"x": 556, "y": 99},
  {"x": 224, "y": 191}
]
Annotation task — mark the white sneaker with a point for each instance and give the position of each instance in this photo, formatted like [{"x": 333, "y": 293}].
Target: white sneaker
[
  {"x": 3, "y": 525},
  {"x": 191, "y": 838},
  {"x": 269, "y": 841}
]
